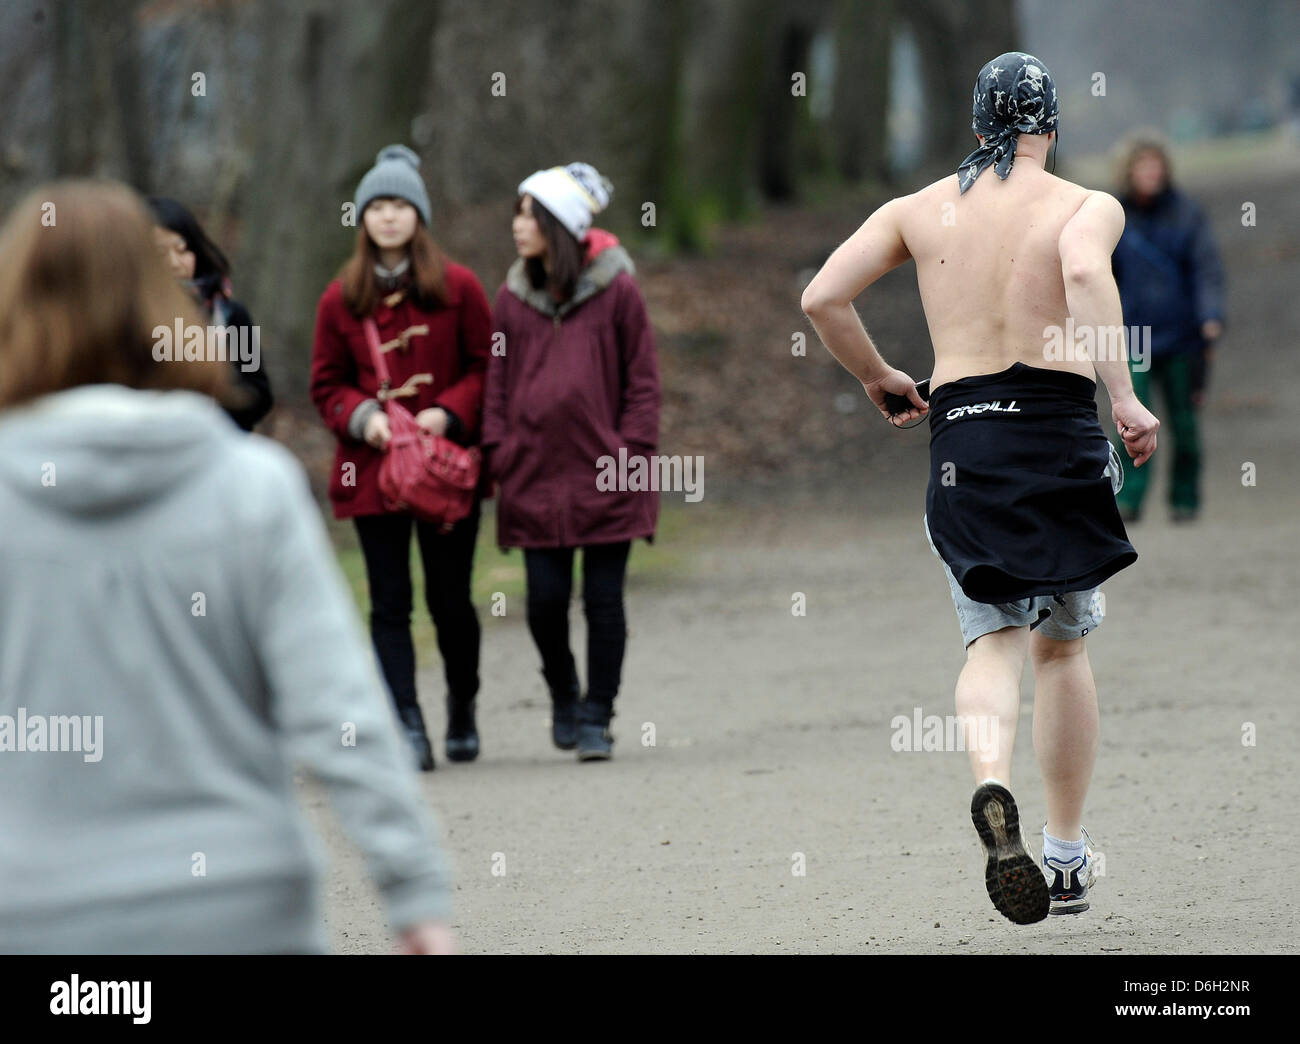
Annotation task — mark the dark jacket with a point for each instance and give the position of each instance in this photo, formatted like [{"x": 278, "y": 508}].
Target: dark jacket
[
  {"x": 254, "y": 385},
  {"x": 575, "y": 383},
  {"x": 441, "y": 357},
  {"x": 1168, "y": 272}
]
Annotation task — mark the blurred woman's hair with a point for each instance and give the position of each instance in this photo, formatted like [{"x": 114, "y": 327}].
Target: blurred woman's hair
[
  {"x": 563, "y": 251},
  {"x": 1138, "y": 143},
  {"x": 427, "y": 282},
  {"x": 209, "y": 261},
  {"x": 83, "y": 287}
]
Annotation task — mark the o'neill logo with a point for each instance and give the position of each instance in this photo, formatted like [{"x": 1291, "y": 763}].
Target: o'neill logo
[{"x": 982, "y": 407}]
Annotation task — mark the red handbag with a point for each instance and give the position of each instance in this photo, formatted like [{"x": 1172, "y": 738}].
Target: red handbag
[{"x": 431, "y": 477}]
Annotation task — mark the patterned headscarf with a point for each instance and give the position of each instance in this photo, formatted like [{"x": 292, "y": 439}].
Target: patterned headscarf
[{"x": 1014, "y": 94}]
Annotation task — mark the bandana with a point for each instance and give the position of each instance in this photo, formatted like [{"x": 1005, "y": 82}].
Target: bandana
[{"x": 1014, "y": 94}]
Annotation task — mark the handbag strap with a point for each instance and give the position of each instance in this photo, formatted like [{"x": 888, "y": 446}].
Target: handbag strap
[{"x": 377, "y": 357}]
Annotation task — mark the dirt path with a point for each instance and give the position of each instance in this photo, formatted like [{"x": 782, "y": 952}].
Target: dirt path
[{"x": 772, "y": 732}]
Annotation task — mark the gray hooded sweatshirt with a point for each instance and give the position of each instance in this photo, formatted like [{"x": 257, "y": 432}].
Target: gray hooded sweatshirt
[{"x": 175, "y": 634}]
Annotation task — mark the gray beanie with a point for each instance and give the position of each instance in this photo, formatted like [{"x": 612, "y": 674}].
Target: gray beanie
[{"x": 396, "y": 173}]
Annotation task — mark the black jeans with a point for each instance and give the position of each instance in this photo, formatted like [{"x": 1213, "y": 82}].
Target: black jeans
[
  {"x": 448, "y": 561},
  {"x": 550, "y": 586}
]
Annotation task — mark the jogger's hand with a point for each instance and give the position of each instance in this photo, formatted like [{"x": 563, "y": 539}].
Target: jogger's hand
[
  {"x": 1137, "y": 428},
  {"x": 899, "y": 383}
]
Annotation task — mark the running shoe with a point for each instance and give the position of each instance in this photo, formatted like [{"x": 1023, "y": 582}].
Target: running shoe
[
  {"x": 1068, "y": 881},
  {"x": 1015, "y": 882}
]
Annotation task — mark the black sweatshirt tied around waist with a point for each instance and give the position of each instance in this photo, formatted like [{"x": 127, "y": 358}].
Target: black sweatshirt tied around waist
[{"x": 1020, "y": 503}]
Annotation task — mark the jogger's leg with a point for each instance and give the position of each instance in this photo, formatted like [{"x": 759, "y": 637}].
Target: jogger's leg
[
  {"x": 988, "y": 695},
  {"x": 1065, "y": 729}
]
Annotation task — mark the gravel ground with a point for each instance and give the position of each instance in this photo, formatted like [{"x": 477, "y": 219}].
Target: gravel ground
[{"x": 771, "y": 733}]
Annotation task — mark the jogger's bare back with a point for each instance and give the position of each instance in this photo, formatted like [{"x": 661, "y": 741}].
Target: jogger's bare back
[{"x": 988, "y": 266}]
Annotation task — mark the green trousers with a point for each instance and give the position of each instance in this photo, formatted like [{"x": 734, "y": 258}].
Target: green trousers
[{"x": 1178, "y": 423}]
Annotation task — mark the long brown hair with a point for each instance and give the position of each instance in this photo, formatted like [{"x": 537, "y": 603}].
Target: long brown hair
[
  {"x": 1141, "y": 142},
  {"x": 82, "y": 290},
  {"x": 428, "y": 273},
  {"x": 565, "y": 254}
]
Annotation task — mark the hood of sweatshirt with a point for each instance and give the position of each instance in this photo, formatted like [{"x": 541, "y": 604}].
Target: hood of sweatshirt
[
  {"x": 103, "y": 449},
  {"x": 605, "y": 260}
]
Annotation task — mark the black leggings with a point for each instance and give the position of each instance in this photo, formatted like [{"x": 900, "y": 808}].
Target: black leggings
[
  {"x": 550, "y": 586},
  {"x": 448, "y": 561}
]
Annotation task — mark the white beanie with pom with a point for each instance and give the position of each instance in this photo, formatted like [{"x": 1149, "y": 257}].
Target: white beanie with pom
[{"x": 573, "y": 193}]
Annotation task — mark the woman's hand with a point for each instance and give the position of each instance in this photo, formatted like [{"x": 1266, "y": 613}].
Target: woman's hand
[
  {"x": 433, "y": 420},
  {"x": 377, "y": 432}
]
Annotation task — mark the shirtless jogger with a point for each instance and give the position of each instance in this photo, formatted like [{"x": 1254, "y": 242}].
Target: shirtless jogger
[{"x": 1020, "y": 507}]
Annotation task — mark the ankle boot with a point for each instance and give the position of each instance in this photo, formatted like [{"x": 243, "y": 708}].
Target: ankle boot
[
  {"x": 595, "y": 741},
  {"x": 564, "y": 715},
  {"x": 413, "y": 726},
  {"x": 462, "y": 730}
]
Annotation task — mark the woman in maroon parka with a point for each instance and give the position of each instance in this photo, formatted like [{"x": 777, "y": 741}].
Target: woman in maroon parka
[
  {"x": 435, "y": 328},
  {"x": 575, "y": 383}
]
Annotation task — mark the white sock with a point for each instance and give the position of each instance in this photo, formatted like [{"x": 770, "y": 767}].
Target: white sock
[{"x": 1062, "y": 851}]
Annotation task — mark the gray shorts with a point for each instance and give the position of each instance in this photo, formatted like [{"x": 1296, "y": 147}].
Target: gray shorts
[{"x": 1074, "y": 616}]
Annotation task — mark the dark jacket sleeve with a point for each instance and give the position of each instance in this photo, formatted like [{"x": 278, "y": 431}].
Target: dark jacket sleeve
[
  {"x": 638, "y": 420},
  {"x": 1207, "y": 270},
  {"x": 254, "y": 385},
  {"x": 464, "y": 398},
  {"x": 494, "y": 398}
]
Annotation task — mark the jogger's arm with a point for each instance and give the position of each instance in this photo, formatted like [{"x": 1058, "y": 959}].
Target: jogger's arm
[
  {"x": 1086, "y": 244},
  {"x": 874, "y": 249}
]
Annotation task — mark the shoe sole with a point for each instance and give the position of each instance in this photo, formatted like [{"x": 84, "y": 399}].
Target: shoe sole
[
  {"x": 564, "y": 746},
  {"x": 461, "y": 755},
  {"x": 1014, "y": 881},
  {"x": 594, "y": 755}
]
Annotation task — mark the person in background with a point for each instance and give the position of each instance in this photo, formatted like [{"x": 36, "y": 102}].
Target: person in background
[
  {"x": 1171, "y": 280},
  {"x": 578, "y": 382},
  {"x": 435, "y": 327},
  {"x": 175, "y": 632},
  {"x": 203, "y": 269}
]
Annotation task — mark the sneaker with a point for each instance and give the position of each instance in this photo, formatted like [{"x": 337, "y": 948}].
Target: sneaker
[
  {"x": 1014, "y": 881},
  {"x": 1180, "y": 515},
  {"x": 1068, "y": 881}
]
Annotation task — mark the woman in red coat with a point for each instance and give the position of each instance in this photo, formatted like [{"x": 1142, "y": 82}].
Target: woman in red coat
[
  {"x": 577, "y": 383},
  {"x": 435, "y": 328}
]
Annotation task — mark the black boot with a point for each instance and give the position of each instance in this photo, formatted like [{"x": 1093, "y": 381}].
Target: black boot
[
  {"x": 462, "y": 730},
  {"x": 595, "y": 742},
  {"x": 413, "y": 726},
  {"x": 564, "y": 715}
]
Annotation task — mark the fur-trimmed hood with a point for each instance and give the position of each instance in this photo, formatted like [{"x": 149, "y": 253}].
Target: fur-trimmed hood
[{"x": 605, "y": 260}]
